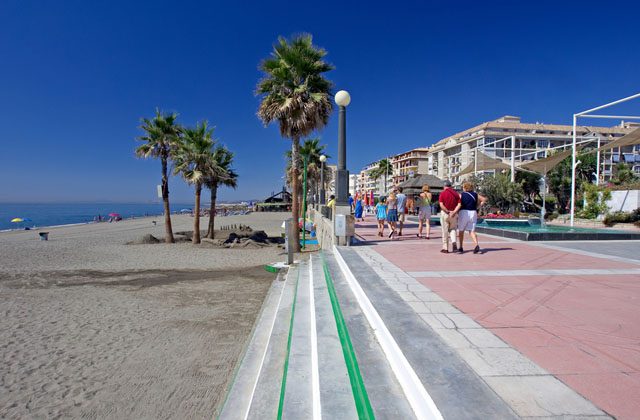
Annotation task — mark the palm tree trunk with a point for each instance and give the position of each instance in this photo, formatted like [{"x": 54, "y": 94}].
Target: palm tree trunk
[
  {"x": 295, "y": 208},
  {"x": 196, "y": 218},
  {"x": 165, "y": 199},
  {"x": 212, "y": 212}
]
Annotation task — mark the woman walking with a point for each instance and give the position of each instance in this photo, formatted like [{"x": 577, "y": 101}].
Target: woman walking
[
  {"x": 381, "y": 215},
  {"x": 468, "y": 218},
  {"x": 392, "y": 213},
  {"x": 424, "y": 211},
  {"x": 359, "y": 209}
]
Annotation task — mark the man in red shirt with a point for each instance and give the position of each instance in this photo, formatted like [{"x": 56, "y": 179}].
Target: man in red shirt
[{"x": 450, "y": 204}]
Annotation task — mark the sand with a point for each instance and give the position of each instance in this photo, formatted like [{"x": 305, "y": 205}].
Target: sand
[{"x": 93, "y": 328}]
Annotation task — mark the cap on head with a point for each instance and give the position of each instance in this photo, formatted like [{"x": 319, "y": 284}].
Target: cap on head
[{"x": 447, "y": 183}]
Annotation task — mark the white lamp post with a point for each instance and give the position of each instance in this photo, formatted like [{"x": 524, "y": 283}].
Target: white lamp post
[{"x": 323, "y": 193}]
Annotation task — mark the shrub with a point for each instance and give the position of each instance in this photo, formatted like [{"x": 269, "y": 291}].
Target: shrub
[
  {"x": 551, "y": 216},
  {"x": 596, "y": 200},
  {"x": 622, "y": 217}
]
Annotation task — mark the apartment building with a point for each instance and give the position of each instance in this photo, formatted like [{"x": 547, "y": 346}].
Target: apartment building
[
  {"x": 508, "y": 136},
  {"x": 366, "y": 183},
  {"x": 406, "y": 165}
]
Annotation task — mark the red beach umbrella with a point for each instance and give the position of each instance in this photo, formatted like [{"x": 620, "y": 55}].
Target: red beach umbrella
[{"x": 114, "y": 214}]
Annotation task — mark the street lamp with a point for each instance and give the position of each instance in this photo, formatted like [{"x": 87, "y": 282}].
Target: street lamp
[
  {"x": 342, "y": 99},
  {"x": 304, "y": 200},
  {"x": 323, "y": 193}
]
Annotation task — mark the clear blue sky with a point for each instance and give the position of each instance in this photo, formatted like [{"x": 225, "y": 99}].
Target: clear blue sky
[{"x": 76, "y": 77}]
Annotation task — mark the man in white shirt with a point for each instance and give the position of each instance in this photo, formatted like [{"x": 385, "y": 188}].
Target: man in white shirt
[{"x": 402, "y": 202}]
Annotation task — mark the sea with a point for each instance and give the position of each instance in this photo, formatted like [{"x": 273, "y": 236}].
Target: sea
[{"x": 55, "y": 214}]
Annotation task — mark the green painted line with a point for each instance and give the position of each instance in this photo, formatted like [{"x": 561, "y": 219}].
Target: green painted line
[
  {"x": 283, "y": 387},
  {"x": 360, "y": 396}
]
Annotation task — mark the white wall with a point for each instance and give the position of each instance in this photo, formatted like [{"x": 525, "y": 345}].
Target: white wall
[{"x": 628, "y": 200}]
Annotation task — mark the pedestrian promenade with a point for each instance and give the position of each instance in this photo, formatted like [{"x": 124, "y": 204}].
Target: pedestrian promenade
[{"x": 558, "y": 313}]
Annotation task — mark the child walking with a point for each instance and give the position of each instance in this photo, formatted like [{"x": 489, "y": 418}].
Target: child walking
[{"x": 381, "y": 215}]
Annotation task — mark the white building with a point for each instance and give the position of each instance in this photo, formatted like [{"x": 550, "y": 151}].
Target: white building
[{"x": 507, "y": 137}]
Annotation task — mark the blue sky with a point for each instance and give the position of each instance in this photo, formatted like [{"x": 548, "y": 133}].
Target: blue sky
[{"x": 76, "y": 77}]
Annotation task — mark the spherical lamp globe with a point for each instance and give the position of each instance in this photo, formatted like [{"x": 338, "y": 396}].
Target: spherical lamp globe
[
  {"x": 343, "y": 98},
  {"x": 323, "y": 158}
]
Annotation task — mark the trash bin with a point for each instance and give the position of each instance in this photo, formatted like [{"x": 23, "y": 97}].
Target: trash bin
[{"x": 44, "y": 236}]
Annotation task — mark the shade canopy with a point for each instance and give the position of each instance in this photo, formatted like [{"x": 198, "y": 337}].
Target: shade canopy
[
  {"x": 485, "y": 163},
  {"x": 17, "y": 220},
  {"x": 543, "y": 166},
  {"x": 415, "y": 184},
  {"x": 630, "y": 139}
]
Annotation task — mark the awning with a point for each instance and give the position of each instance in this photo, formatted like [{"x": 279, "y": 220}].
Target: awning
[
  {"x": 543, "y": 166},
  {"x": 485, "y": 163},
  {"x": 630, "y": 139}
]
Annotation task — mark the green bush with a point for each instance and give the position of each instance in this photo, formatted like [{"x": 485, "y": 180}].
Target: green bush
[
  {"x": 551, "y": 216},
  {"x": 596, "y": 200},
  {"x": 622, "y": 217}
]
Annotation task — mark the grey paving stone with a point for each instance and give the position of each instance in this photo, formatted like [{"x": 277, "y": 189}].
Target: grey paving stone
[
  {"x": 445, "y": 320},
  {"x": 409, "y": 297},
  {"x": 441, "y": 308},
  {"x": 541, "y": 396},
  {"x": 428, "y": 297},
  {"x": 432, "y": 320},
  {"x": 419, "y": 307},
  {"x": 499, "y": 362},
  {"x": 416, "y": 287},
  {"x": 463, "y": 321},
  {"x": 454, "y": 338},
  {"x": 482, "y": 338}
]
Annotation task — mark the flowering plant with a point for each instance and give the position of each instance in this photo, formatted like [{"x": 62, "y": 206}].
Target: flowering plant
[{"x": 499, "y": 216}]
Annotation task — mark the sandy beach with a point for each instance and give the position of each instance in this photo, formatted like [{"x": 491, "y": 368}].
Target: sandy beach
[{"x": 94, "y": 328}]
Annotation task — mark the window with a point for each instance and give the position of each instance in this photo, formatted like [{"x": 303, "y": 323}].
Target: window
[{"x": 543, "y": 144}]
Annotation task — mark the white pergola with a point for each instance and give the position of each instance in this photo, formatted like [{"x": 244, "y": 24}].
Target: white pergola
[{"x": 588, "y": 114}]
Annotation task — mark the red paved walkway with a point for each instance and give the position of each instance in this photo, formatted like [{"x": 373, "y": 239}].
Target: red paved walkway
[{"x": 584, "y": 329}]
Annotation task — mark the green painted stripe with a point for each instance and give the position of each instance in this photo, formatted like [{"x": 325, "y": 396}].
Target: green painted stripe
[
  {"x": 283, "y": 387},
  {"x": 360, "y": 396}
]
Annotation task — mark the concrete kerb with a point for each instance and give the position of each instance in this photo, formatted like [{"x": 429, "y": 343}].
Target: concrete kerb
[
  {"x": 418, "y": 397},
  {"x": 536, "y": 391}
]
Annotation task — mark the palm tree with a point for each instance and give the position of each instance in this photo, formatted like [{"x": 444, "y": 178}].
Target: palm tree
[
  {"x": 296, "y": 95},
  {"x": 624, "y": 174},
  {"x": 383, "y": 169},
  {"x": 220, "y": 173},
  {"x": 161, "y": 136},
  {"x": 312, "y": 150},
  {"x": 193, "y": 160}
]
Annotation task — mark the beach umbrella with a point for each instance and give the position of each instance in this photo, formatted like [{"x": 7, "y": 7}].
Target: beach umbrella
[
  {"x": 17, "y": 220},
  {"x": 114, "y": 214},
  {"x": 185, "y": 211}
]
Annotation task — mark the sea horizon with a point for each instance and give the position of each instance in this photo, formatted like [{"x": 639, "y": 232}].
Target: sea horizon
[{"x": 46, "y": 214}]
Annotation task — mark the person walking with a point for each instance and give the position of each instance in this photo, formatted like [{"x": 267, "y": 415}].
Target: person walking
[
  {"x": 392, "y": 213},
  {"x": 402, "y": 204},
  {"x": 359, "y": 209},
  {"x": 332, "y": 202},
  {"x": 381, "y": 215},
  {"x": 449, "y": 202},
  {"x": 470, "y": 202},
  {"x": 424, "y": 211}
]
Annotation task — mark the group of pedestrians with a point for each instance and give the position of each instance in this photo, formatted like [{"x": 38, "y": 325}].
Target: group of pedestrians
[
  {"x": 459, "y": 214},
  {"x": 391, "y": 210}
]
